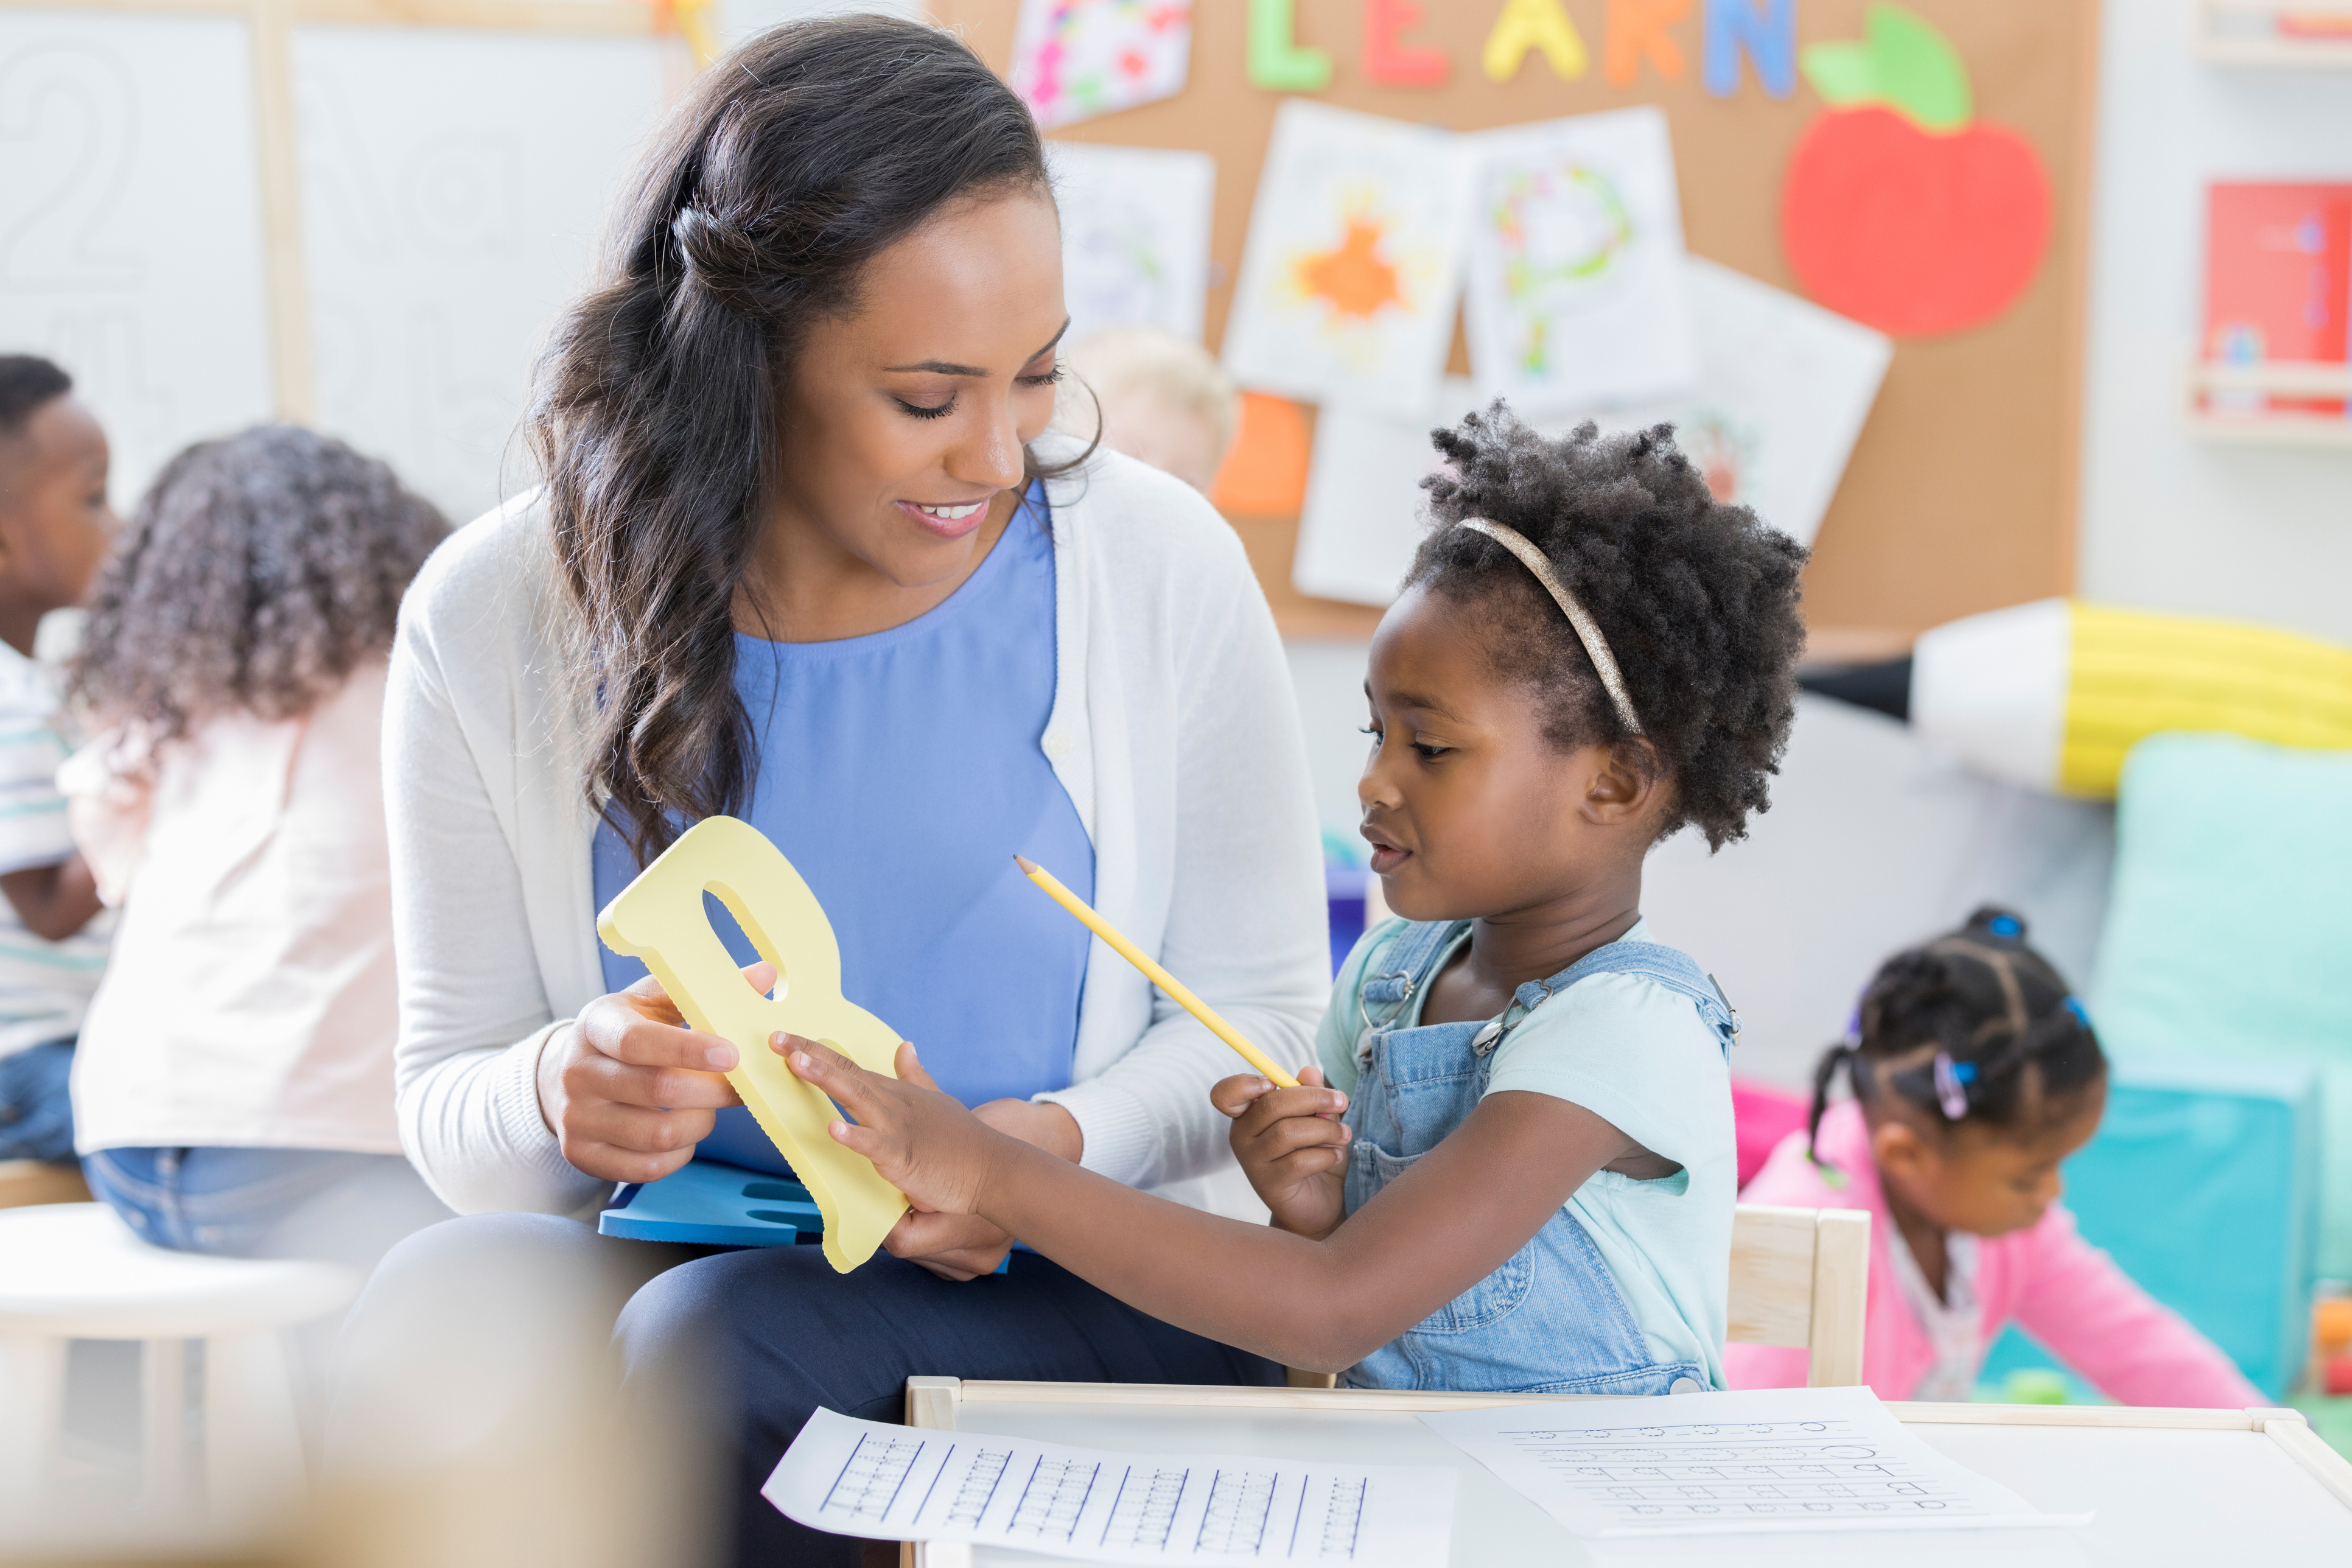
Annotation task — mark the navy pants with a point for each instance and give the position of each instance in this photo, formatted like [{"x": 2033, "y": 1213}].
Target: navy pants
[{"x": 763, "y": 1337}]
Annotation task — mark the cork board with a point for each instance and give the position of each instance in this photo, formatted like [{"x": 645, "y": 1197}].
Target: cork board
[{"x": 1961, "y": 492}]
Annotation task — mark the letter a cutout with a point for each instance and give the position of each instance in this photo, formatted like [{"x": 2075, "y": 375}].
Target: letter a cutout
[{"x": 660, "y": 919}]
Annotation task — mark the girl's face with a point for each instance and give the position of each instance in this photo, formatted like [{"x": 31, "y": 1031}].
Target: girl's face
[
  {"x": 904, "y": 421},
  {"x": 1980, "y": 1179},
  {"x": 1469, "y": 810}
]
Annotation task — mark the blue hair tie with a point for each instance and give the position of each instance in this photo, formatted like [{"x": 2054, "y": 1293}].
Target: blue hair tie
[
  {"x": 2005, "y": 926},
  {"x": 1952, "y": 1080},
  {"x": 2082, "y": 1014}
]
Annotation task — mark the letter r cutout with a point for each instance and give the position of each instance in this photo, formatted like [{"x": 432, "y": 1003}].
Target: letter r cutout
[{"x": 660, "y": 919}]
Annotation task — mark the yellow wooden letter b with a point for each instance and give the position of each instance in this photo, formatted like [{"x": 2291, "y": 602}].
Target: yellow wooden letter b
[{"x": 660, "y": 919}]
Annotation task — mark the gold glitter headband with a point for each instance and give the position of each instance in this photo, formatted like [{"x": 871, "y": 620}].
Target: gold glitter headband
[{"x": 1596, "y": 646}]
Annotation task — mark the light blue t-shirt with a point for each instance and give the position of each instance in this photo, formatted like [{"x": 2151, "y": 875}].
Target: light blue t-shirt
[
  {"x": 1638, "y": 1055},
  {"x": 900, "y": 773}
]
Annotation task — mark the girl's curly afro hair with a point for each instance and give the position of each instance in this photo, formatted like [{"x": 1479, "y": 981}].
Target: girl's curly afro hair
[
  {"x": 1697, "y": 600},
  {"x": 259, "y": 571}
]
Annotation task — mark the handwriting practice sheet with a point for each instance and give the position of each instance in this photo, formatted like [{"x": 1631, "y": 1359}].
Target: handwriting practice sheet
[
  {"x": 1759, "y": 1460},
  {"x": 900, "y": 1483}
]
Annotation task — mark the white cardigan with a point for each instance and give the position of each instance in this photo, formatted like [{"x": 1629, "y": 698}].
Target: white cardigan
[{"x": 1174, "y": 730}]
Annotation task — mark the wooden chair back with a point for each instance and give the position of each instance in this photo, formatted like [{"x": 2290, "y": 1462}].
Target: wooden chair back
[
  {"x": 1802, "y": 1277},
  {"x": 1799, "y": 1277}
]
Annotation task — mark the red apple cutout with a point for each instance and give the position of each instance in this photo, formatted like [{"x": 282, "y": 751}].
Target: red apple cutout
[{"x": 1899, "y": 210}]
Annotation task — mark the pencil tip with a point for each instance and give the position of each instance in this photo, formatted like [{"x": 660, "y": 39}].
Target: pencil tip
[{"x": 1025, "y": 862}]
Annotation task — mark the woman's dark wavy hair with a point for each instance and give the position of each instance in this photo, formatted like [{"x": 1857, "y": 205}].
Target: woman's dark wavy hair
[
  {"x": 1975, "y": 1023},
  {"x": 794, "y": 161},
  {"x": 1697, "y": 599},
  {"x": 258, "y": 572}
]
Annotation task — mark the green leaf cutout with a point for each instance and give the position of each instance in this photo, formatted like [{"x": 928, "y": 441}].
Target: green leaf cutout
[{"x": 1901, "y": 63}]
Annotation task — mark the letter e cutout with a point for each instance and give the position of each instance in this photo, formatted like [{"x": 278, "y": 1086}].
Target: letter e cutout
[{"x": 660, "y": 919}]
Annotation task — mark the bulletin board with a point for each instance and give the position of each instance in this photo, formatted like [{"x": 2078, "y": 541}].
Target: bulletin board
[{"x": 1961, "y": 492}]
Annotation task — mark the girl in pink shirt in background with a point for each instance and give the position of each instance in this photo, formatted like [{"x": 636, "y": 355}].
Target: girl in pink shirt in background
[
  {"x": 1975, "y": 1072},
  {"x": 233, "y": 1089}
]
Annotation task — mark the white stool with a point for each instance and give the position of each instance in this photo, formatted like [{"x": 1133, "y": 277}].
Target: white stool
[{"x": 75, "y": 1271}]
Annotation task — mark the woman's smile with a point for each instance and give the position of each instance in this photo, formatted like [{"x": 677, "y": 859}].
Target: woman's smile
[{"x": 953, "y": 521}]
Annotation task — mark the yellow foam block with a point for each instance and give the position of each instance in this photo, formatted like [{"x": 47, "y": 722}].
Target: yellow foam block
[{"x": 660, "y": 919}]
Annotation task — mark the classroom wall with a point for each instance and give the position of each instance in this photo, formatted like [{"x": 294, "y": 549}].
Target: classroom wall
[{"x": 2170, "y": 521}]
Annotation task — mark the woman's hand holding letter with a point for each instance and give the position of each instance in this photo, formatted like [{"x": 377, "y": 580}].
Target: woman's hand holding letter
[{"x": 628, "y": 1090}]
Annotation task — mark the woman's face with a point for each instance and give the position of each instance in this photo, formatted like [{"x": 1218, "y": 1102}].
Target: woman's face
[{"x": 904, "y": 422}]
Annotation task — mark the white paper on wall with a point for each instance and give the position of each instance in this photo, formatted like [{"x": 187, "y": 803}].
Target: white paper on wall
[
  {"x": 1350, "y": 273},
  {"x": 1134, "y": 236},
  {"x": 1783, "y": 389},
  {"x": 130, "y": 237},
  {"x": 453, "y": 188},
  {"x": 1362, "y": 520},
  {"x": 1574, "y": 287},
  {"x": 1073, "y": 59}
]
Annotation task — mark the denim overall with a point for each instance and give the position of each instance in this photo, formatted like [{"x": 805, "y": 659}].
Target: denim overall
[{"x": 1550, "y": 1320}]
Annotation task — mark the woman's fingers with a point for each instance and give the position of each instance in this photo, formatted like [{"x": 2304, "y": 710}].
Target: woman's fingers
[
  {"x": 593, "y": 1075},
  {"x": 638, "y": 1131}
]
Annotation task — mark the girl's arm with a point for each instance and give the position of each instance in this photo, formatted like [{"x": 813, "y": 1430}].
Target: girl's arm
[
  {"x": 1454, "y": 1218},
  {"x": 2097, "y": 1319}
]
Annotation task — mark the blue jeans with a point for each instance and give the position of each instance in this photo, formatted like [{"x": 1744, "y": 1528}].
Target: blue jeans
[
  {"x": 754, "y": 1341},
  {"x": 35, "y": 1113},
  {"x": 264, "y": 1203}
]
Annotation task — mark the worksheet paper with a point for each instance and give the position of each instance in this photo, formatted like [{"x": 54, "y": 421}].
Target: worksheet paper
[
  {"x": 1758, "y": 1460},
  {"x": 904, "y": 1483}
]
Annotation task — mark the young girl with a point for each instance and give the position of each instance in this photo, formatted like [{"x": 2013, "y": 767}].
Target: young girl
[
  {"x": 1513, "y": 1169},
  {"x": 1975, "y": 1072},
  {"x": 233, "y": 1089}
]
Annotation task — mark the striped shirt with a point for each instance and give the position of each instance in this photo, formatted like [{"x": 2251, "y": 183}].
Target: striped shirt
[{"x": 44, "y": 986}]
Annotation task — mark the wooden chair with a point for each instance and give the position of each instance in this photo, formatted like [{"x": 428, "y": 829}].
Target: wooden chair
[{"x": 1799, "y": 1277}]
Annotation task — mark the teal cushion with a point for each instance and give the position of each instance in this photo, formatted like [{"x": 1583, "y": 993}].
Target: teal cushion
[
  {"x": 2230, "y": 932},
  {"x": 2200, "y": 1186}
]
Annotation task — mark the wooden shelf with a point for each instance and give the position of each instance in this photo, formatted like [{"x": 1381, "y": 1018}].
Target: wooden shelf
[
  {"x": 2281, "y": 428},
  {"x": 2246, "y": 33}
]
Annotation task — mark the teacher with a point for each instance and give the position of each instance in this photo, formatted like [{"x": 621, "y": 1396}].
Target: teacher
[{"x": 807, "y": 556}]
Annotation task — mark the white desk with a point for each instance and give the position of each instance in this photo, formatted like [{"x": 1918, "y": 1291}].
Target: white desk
[{"x": 2187, "y": 1487}]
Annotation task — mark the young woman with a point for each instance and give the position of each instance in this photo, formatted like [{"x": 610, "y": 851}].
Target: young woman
[{"x": 804, "y": 557}]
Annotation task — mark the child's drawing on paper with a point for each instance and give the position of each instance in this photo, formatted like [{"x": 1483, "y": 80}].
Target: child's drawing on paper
[
  {"x": 1073, "y": 59},
  {"x": 1723, "y": 447},
  {"x": 1134, "y": 236},
  {"x": 1575, "y": 271},
  {"x": 1783, "y": 388},
  {"x": 1348, "y": 282}
]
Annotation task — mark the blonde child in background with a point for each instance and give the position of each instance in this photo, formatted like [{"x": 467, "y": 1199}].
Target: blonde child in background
[
  {"x": 1975, "y": 1072},
  {"x": 54, "y": 529},
  {"x": 1532, "y": 1186},
  {"x": 233, "y": 1091},
  {"x": 1164, "y": 401}
]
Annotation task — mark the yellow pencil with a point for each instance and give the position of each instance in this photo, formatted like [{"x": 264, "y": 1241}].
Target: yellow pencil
[{"x": 1158, "y": 976}]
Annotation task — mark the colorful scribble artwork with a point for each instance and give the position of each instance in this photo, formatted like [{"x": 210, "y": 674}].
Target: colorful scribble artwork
[
  {"x": 1348, "y": 280},
  {"x": 1134, "y": 236},
  {"x": 1575, "y": 288},
  {"x": 1782, "y": 391},
  {"x": 1073, "y": 59}
]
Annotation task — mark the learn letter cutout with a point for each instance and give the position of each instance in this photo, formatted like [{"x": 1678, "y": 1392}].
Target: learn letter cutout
[{"x": 660, "y": 919}]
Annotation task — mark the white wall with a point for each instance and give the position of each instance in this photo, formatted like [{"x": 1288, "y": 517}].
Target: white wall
[{"x": 2170, "y": 521}]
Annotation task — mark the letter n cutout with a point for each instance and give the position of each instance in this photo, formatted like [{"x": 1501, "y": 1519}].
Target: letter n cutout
[{"x": 660, "y": 919}]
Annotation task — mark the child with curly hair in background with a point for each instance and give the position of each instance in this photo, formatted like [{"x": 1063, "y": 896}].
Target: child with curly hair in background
[
  {"x": 233, "y": 1090},
  {"x": 1514, "y": 1168}
]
